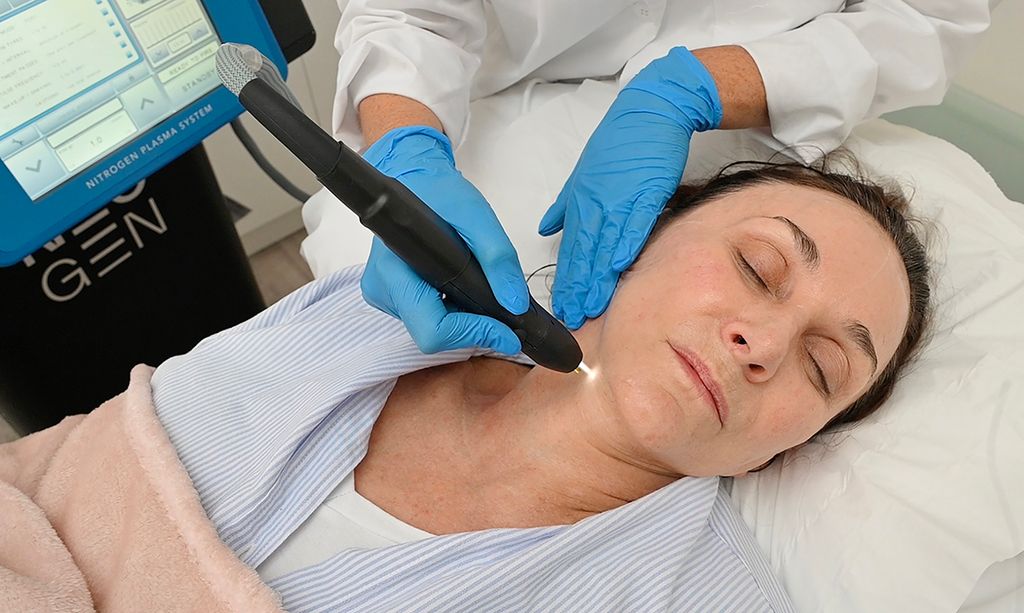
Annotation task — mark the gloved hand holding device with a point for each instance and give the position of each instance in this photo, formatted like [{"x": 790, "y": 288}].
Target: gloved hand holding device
[
  {"x": 421, "y": 158},
  {"x": 629, "y": 168}
]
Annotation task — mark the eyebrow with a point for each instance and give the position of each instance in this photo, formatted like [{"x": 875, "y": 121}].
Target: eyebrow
[
  {"x": 861, "y": 336},
  {"x": 805, "y": 245},
  {"x": 808, "y": 250}
]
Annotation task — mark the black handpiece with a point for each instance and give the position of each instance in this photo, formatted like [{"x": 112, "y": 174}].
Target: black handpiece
[{"x": 403, "y": 222}]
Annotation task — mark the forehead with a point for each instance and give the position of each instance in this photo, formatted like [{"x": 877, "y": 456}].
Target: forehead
[
  {"x": 860, "y": 275},
  {"x": 761, "y": 199}
]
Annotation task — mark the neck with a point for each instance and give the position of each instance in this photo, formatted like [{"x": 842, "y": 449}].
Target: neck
[{"x": 545, "y": 444}]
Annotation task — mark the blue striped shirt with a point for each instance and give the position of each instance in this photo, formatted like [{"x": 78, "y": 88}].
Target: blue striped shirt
[{"x": 268, "y": 417}]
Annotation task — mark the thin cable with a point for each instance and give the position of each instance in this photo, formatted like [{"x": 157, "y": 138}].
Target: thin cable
[
  {"x": 264, "y": 164},
  {"x": 538, "y": 270},
  {"x": 528, "y": 95}
]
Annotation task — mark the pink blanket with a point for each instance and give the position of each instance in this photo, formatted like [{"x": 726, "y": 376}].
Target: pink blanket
[{"x": 97, "y": 513}]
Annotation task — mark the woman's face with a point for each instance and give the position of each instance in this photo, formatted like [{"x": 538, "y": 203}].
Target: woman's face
[{"x": 786, "y": 300}]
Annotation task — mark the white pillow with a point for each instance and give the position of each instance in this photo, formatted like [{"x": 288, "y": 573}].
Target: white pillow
[{"x": 907, "y": 509}]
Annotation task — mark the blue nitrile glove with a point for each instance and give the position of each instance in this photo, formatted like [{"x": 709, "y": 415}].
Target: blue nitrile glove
[
  {"x": 421, "y": 158},
  {"x": 630, "y": 167}
]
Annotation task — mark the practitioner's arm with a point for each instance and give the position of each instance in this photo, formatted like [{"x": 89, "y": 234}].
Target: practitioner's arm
[
  {"x": 381, "y": 113},
  {"x": 740, "y": 87}
]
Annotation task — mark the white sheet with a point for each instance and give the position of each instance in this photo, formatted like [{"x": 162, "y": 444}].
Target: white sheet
[
  {"x": 907, "y": 510},
  {"x": 999, "y": 590}
]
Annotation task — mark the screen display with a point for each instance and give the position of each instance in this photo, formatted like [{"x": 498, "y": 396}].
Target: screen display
[{"x": 80, "y": 78}]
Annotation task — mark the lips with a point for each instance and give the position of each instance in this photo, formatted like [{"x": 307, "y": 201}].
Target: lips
[{"x": 707, "y": 385}]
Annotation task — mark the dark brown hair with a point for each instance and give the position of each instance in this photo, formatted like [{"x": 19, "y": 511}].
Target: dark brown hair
[{"x": 885, "y": 203}]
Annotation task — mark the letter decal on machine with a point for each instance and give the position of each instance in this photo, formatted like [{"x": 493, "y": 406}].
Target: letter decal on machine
[{"x": 97, "y": 246}]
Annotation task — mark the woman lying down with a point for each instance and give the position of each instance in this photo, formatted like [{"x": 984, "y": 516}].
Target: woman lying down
[{"x": 353, "y": 473}]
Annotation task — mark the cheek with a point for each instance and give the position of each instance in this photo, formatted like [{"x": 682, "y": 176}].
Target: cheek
[
  {"x": 708, "y": 269},
  {"x": 677, "y": 283},
  {"x": 788, "y": 419},
  {"x": 648, "y": 415},
  {"x": 641, "y": 397}
]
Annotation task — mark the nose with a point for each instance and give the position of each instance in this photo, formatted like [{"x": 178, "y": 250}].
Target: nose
[{"x": 758, "y": 348}]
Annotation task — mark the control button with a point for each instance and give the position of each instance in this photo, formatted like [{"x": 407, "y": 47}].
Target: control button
[
  {"x": 179, "y": 42},
  {"x": 198, "y": 30},
  {"x": 145, "y": 103},
  {"x": 193, "y": 83},
  {"x": 159, "y": 53},
  {"x": 20, "y": 139},
  {"x": 36, "y": 168}
]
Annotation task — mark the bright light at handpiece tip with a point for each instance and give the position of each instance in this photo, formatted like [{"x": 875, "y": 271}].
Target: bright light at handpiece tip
[{"x": 586, "y": 370}]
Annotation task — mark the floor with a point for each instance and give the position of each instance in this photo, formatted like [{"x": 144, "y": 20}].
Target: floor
[{"x": 279, "y": 269}]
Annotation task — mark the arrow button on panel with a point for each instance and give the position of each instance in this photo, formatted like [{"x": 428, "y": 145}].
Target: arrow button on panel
[
  {"x": 36, "y": 168},
  {"x": 145, "y": 102}
]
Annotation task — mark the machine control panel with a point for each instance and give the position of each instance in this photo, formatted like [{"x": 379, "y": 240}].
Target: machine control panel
[{"x": 97, "y": 94}]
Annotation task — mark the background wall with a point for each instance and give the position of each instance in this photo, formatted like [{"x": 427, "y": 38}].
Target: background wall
[
  {"x": 983, "y": 114},
  {"x": 274, "y": 213},
  {"x": 995, "y": 71}
]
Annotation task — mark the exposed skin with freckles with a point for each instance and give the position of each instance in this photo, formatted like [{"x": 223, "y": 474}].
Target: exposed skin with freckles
[{"x": 487, "y": 443}]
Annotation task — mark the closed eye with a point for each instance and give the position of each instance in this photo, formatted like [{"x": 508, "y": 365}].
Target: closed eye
[
  {"x": 750, "y": 272},
  {"x": 822, "y": 383}
]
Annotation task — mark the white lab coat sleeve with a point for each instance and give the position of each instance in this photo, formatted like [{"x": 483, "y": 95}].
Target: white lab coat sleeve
[
  {"x": 427, "y": 50},
  {"x": 875, "y": 56}
]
